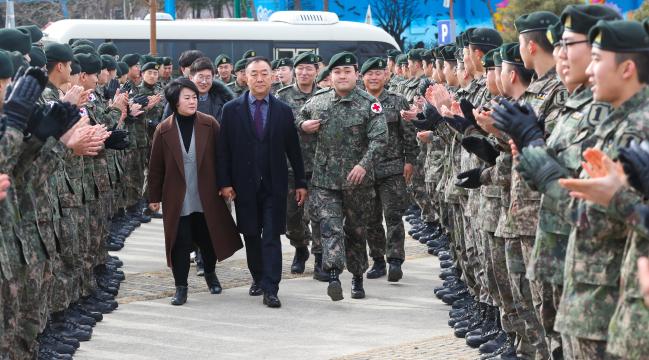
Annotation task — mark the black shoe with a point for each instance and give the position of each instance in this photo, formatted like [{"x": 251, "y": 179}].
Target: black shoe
[
  {"x": 444, "y": 255},
  {"x": 62, "y": 339},
  {"x": 113, "y": 246},
  {"x": 213, "y": 283},
  {"x": 49, "y": 354},
  {"x": 272, "y": 301},
  {"x": 318, "y": 273},
  {"x": 335, "y": 289},
  {"x": 200, "y": 271},
  {"x": 493, "y": 344},
  {"x": 448, "y": 272},
  {"x": 446, "y": 264},
  {"x": 357, "y": 287},
  {"x": 70, "y": 330},
  {"x": 180, "y": 297},
  {"x": 300, "y": 258},
  {"x": 378, "y": 269},
  {"x": 80, "y": 318},
  {"x": 255, "y": 290},
  {"x": 395, "y": 274},
  {"x": 96, "y": 306},
  {"x": 55, "y": 345}
]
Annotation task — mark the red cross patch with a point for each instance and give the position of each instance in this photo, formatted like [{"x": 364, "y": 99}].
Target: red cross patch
[
  {"x": 83, "y": 112},
  {"x": 376, "y": 108}
]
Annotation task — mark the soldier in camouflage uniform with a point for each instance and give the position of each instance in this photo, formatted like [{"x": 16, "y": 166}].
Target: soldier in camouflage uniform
[
  {"x": 238, "y": 86},
  {"x": 392, "y": 67},
  {"x": 351, "y": 134},
  {"x": 224, "y": 68}
]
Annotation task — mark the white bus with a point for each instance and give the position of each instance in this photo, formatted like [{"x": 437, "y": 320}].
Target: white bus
[{"x": 287, "y": 33}]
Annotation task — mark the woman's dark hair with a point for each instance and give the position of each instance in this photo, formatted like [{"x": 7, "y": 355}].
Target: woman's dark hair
[
  {"x": 201, "y": 64},
  {"x": 172, "y": 91}
]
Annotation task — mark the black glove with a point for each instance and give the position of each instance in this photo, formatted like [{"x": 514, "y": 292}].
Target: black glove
[
  {"x": 431, "y": 119},
  {"x": 151, "y": 125},
  {"x": 142, "y": 100},
  {"x": 518, "y": 121},
  {"x": 635, "y": 161},
  {"x": 482, "y": 148},
  {"x": 458, "y": 123},
  {"x": 25, "y": 91},
  {"x": 126, "y": 88},
  {"x": 111, "y": 89},
  {"x": 539, "y": 169},
  {"x": 469, "y": 179},
  {"x": 53, "y": 120},
  {"x": 118, "y": 140},
  {"x": 423, "y": 86}
]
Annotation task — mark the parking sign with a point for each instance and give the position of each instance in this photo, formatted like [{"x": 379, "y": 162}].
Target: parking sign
[{"x": 445, "y": 32}]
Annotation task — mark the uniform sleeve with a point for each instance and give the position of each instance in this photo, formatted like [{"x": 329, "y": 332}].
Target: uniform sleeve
[
  {"x": 556, "y": 102},
  {"x": 303, "y": 115},
  {"x": 377, "y": 134},
  {"x": 627, "y": 206},
  {"x": 408, "y": 135}
]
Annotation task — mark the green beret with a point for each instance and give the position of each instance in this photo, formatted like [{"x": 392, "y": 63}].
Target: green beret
[
  {"x": 344, "y": 58},
  {"x": 465, "y": 37},
  {"x": 393, "y": 53},
  {"x": 536, "y": 21},
  {"x": 459, "y": 41},
  {"x": 56, "y": 52},
  {"x": 415, "y": 54},
  {"x": 146, "y": 59},
  {"x": 166, "y": 61},
  {"x": 249, "y": 54},
  {"x": 82, "y": 42},
  {"x": 511, "y": 54},
  {"x": 107, "y": 48},
  {"x": 90, "y": 63},
  {"x": 322, "y": 75},
  {"x": 240, "y": 65},
  {"x": 159, "y": 60},
  {"x": 6, "y": 65},
  {"x": 15, "y": 40},
  {"x": 83, "y": 49},
  {"x": 273, "y": 64},
  {"x": 402, "y": 59},
  {"x": 554, "y": 33},
  {"x": 108, "y": 62},
  {"x": 581, "y": 18},
  {"x": 150, "y": 66},
  {"x": 131, "y": 59},
  {"x": 448, "y": 53},
  {"x": 619, "y": 36},
  {"x": 306, "y": 58},
  {"x": 428, "y": 55},
  {"x": 34, "y": 32},
  {"x": 37, "y": 56},
  {"x": 319, "y": 58},
  {"x": 122, "y": 68},
  {"x": 285, "y": 62},
  {"x": 498, "y": 60},
  {"x": 18, "y": 61},
  {"x": 76, "y": 68},
  {"x": 375, "y": 63},
  {"x": 485, "y": 36},
  {"x": 222, "y": 59},
  {"x": 488, "y": 59}
]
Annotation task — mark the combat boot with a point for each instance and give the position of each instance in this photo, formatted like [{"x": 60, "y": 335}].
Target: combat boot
[
  {"x": 395, "y": 273},
  {"x": 446, "y": 264},
  {"x": 378, "y": 268},
  {"x": 444, "y": 255},
  {"x": 45, "y": 353},
  {"x": 318, "y": 273},
  {"x": 62, "y": 339},
  {"x": 493, "y": 344},
  {"x": 299, "y": 260},
  {"x": 83, "y": 310},
  {"x": 80, "y": 318},
  {"x": 70, "y": 330},
  {"x": 54, "y": 345},
  {"x": 358, "y": 292},
  {"x": 335, "y": 289},
  {"x": 213, "y": 284}
]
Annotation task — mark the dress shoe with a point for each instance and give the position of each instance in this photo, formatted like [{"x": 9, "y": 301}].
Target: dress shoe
[
  {"x": 213, "y": 283},
  {"x": 299, "y": 260},
  {"x": 180, "y": 297},
  {"x": 255, "y": 290},
  {"x": 272, "y": 301},
  {"x": 395, "y": 273},
  {"x": 378, "y": 269},
  {"x": 357, "y": 287},
  {"x": 318, "y": 273},
  {"x": 335, "y": 289}
]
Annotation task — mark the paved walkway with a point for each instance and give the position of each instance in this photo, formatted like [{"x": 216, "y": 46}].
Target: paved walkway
[{"x": 396, "y": 321}]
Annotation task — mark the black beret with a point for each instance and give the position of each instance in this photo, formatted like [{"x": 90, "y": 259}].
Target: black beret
[
  {"x": 498, "y": 60},
  {"x": 90, "y": 63},
  {"x": 554, "y": 33},
  {"x": 34, "y": 32},
  {"x": 108, "y": 62},
  {"x": 76, "y": 68},
  {"x": 15, "y": 40},
  {"x": 619, "y": 36},
  {"x": 510, "y": 53},
  {"x": 459, "y": 55},
  {"x": 485, "y": 36},
  {"x": 273, "y": 64},
  {"x": 375, "y": 63},
  {"x": 306, "y": 58},
  {"x": 131, "y": 59},
  {"x": 83, "y": 49},
  {"x": 393, "y": 53},
  {"x": 56, "y": 52},
  {"x": 18, "y": 61},
  {"x": 159, "y": 60},
  {"x": 415, "y": 54},
  {"x": 448, "y": 53},
  {"x": 320, "y": 58},
  {"x": 402, "y": 59},
  {"x": 107, "y": 48},
  {"x": 285, "y": 62},
  {"x": 488, "y": 59},
  {"x": 6, "y": 65},
  {"x": 37, "y": 56},
  {"x": 166, "y": 61},
  {"x": 82, "y": 42},
  {"x": 459, "y": 41},
  {"x": 222, "y": 59},
  {"x": 150, "y": 66},
  {"x": 581, "y": 18},
  {"x": 465, "y": 36},
  {"x": 122, "y": 69},
  {"x": 249, "y": 54},
  {"x": 146, "y": 59},
  {"x": 322, "y": 75},
  {"x": 344, "y": 58},
  {"x": 240, "y": 65},
  {"x": 536, "y": 21}
]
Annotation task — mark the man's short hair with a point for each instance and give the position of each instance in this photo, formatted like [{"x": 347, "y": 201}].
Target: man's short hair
[
  {"x": 541, "y": 39},
  {"x": 188, "y": 57},
  {"x": 200, "y": 64},
  {"x": 255, "y": 59},
  {"x": 640, "y": 59}
]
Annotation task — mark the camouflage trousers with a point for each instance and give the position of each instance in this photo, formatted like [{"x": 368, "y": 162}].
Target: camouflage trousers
[
  {"x": 417, "y": 190},
  {"x": 435, "y": 199},
  {"x": 298, "y": 219},
  {"x": 585, "y": 349},
  {"x": 27, "y": 288},
  {"x": 390, "y": 203},
  {"x": 71, "y": 264},
  {"x": 489, "y": 286},
  {"x": 135, "y": 176},
  {"x": 459, "y": 231},
  {"x": 144, "y": 163},
  {"x": 509, "y": 318},
  {"x": 343, "y": 217},
  {"x": 471, "y": 242},
  {"x": 89, "y": 249},
  {"x": 627, "y": 337}
]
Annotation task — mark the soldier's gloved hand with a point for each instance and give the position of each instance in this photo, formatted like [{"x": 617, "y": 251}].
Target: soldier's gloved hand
[
  {"x": 458, "y": 123},
  {"x": 423, "y": 86},
  {"x": 111, "y": 89},
  {"x": 142, "y": 100},
  {"x": 518, "y": 121},
  {"x": 469, "y": 179},
  {"x": 25, "y": 91},
  {"x": 539, "y": 169},
  {"x": 482, "y": 148},
  {"x": 635, "y": 161},
  {"x": 118, "y": 140},
  {"x": 53, "y": 120},
  {"x": 430, "y": 121}
]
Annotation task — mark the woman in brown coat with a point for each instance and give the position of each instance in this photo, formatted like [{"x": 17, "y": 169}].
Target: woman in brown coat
[{"x": 182, "y": 175}]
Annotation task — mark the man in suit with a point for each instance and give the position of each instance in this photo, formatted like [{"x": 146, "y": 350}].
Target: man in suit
[{"x": 257, "y": 135}]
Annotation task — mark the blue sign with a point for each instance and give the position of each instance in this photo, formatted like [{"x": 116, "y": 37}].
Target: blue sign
[{"x": 445, "y": 32}]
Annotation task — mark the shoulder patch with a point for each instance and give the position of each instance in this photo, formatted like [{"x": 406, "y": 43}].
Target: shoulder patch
[
  {"x": 561, "y": 97},
  {"x": 376, "y": 108},
  {"x": 83, "y": 112},
  {"x": 597, "y": 113}
]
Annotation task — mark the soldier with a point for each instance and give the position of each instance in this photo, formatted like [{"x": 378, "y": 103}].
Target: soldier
[
  {"x": 284, "y": 74},
  {"x": 133, "y": 76},
  {"x": 224, "y": 68},
  {"x": 108, "y": 48},
  {"x": 391, "y": 172},
  {"x": 343, "y": 172},
  {"x": 166, "y": 71},
  {"x": 248, "y": 54},
  {"x": 392, "y": 65},
  {"x": 239, "y": 86},
  {"x": 323, "y": 80}
]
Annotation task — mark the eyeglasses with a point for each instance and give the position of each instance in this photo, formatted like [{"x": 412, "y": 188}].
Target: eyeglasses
[
  {"x": 201, "y": 78},
  {"x": 564, "y": 44}
]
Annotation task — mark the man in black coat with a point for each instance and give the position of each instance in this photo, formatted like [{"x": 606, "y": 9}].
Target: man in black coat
[{"x": 257, "y": 135}]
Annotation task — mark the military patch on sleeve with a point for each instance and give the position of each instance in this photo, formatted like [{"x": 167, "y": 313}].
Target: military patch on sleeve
[
  {"x": 560, "y": 99},
  {"x": 376, "y": 108},
  {"x": 597, "y": 113}
]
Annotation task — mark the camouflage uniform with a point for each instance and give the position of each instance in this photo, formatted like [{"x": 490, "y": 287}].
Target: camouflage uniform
[
  {"x": 237, "y": 89},
  {"x": 393, "y": 83},
  {"x": 351, "y": 133},
  {"x": 143, "y": 142}
]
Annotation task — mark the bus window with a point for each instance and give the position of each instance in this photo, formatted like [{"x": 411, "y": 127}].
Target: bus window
[{"x": 284, "y": 53}]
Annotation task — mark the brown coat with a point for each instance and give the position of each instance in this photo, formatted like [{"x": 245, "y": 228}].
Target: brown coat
[{"x": 167, "y": 184}]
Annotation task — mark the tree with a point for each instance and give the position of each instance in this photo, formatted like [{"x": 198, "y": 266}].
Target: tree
[
  {"x": 516, "y": 8},
  {"x": 394, "y": 16},
  {"x": 642, "y": 12}
]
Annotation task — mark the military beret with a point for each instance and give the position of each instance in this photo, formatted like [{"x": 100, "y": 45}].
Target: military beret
[
  {"x": 448, "y": 53},
  {"x": 619, "y": 36},
  {"x": 83, "y": 49},
  {"x": 131, "y": 59},
  {"x": 76, "y": 68},
  {"x": 18, "y": 60},
  {"x": 459, "y": 41},
  {"x": 108, "y": 62},
  {"x": 485, "y": 36},
  {"x": 273, "y": 64},
  {"x": 15, "y": 40},
  {"x": 322, "y": 75},
  {"x": 320, "y": 58},
  {"x": 222, "y": 59},
  {"x": 402, "y": 59},
  {"x": 37, "y": 56},
  {"x": 459, "y": 55},
  {"x": 511, "y": 54},
  {"x": 344, "y": 58},
  {"x": 393, "y": 53},
  {"x": 34, "y": 32},
  {"x": 375, "y": 63},
  {"x": 240, "y": 65},
  {"x": 488, "y": 59},
  {"x": 122, "y": 68},
  {"x": 306, "y": 58},
  {"x": 581, "y": 18},
  {"x": 166, "y": 61},
  {"x": 6, "y": 65},
  {"x": 285, "y": 62},
  {"x": 146, "y": 59},
  {"x": 465, "y": 37},
  {"x": 90, "y": 63},
  {"x": 56, "y": 52},
  {"x": 107, "y": 48},
  {"x": 150, "y": 66},
  {"x": 536, "y": 21},
  {"x": 82, "y": 42},
  {"x": 249, "y": 54},
  {"x": 159, "y": 60},
  {"x": 554, "y": 33},
  {"x": 498, "y": 60},
  {"x": 428, "y": 55},
  {"x": 415, "y": 54}
]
